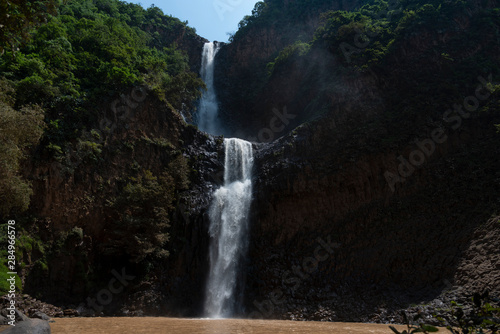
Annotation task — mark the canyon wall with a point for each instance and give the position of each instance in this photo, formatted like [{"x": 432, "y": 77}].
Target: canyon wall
[
  {"x": 73, "y": 213},
  {"x": 334, "y": 141},
  {"x": 369, "y": 196},
  {"x": 241, "y": 64}
]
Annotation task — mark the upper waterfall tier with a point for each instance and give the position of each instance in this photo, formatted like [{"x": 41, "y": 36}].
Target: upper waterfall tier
[{"x": 208, "y": 108}]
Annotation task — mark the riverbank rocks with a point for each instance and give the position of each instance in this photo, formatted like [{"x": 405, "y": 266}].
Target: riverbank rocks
[
  {"x": 31, "y": 306},
  {"x": 19, "y": 316},
  {"x": 23, "y": 324},
  {"x": 71, "y": 313}
]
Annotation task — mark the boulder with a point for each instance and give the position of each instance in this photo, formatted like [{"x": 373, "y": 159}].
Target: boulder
[
  {"x": 20, "y": 316},
  {"x": 4, "y": 319},
  {"x": 31, "y": 326},
  {"x": 40, "y": 315}
]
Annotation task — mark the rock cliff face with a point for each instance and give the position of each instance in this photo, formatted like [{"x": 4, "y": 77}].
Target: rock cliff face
[
  {"x": 241, "y": 65},
  {"x": 405, "y": 232},
  {"x": 193, "y": 47},
  {"x": 185, "y": 40},
  {"x": 74, "y": 218},
  {"x": 393, "y": 248},
  {"x": 361, "y": 206}
]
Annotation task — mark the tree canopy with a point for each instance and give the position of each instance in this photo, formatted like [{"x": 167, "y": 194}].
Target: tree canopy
[
  {"x": 18, "y": 17},
  {"x": 62, "y": 61}
]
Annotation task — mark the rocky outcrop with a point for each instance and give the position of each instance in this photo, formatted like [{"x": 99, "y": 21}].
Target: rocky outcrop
[
  {"x": 32, "y": 307},
  {"x": 74, "y": 221},
  {"x": 193, "y": 46},
  {"x": 185, "y": 39},
  {"x": 479, "y": 267},
  {"x": 241, "y": 65}
]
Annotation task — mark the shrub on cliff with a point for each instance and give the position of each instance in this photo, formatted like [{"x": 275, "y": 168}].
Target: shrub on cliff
[
  {"x": 141, "y": 221},
  {"x": 141, "y": 218},
  {"x": 18, "y": 17},
  {"x": 18, "y": 130},
  {"x": 296, "y": 49}
]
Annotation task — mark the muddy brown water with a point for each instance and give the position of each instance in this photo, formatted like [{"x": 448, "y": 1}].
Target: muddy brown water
[{"x": 207, "y": 326}]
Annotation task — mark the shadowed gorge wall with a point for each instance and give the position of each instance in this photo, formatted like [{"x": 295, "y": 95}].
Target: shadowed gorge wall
[
  {"x": 384, "y": 155},
  {"x": 352, "y": 117}
]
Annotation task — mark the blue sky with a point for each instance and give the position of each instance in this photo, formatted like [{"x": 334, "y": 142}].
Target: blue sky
[{"x": 213, "y": 19}]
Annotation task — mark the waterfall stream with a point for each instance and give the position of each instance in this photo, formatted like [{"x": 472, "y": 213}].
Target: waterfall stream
[
  {"x": 229, "y": 229},
  {"x": 208, "y": 107},
  {"x": 230, "y": 205}
]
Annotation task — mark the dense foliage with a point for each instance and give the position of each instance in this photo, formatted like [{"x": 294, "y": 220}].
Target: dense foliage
[
  {"x": 18, "y": 17},
  {"x": 91, "y": 51},
  {"x": 142, "y": 212},
  {"x": 281, "y": 14},
  {"x": 446, "y": 58},
  {"x": 86, "y": 54},
  {"x": 366, "y": 36},
  {"x": 18, "y": 129}
]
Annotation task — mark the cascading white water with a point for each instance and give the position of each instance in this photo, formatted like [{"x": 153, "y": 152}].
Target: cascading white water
[
  {"x": 230, "y": 206},
  {"x": 229, "y": 213},
  {"x": 208, "y": 108}
]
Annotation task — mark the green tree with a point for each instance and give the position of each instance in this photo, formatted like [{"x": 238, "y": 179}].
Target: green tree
[
  {"x": 18, "y": 17},
  {"x": 18, "y": 130},
  {"x": 140, "y": 227},
  {"x": 142, "y": 210}
]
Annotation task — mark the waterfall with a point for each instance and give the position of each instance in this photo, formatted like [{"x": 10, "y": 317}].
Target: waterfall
[
  {"x": 229, "y": 228},
  {"x": 230, "y": 205},
  {"x": 208, "y": 108}
]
